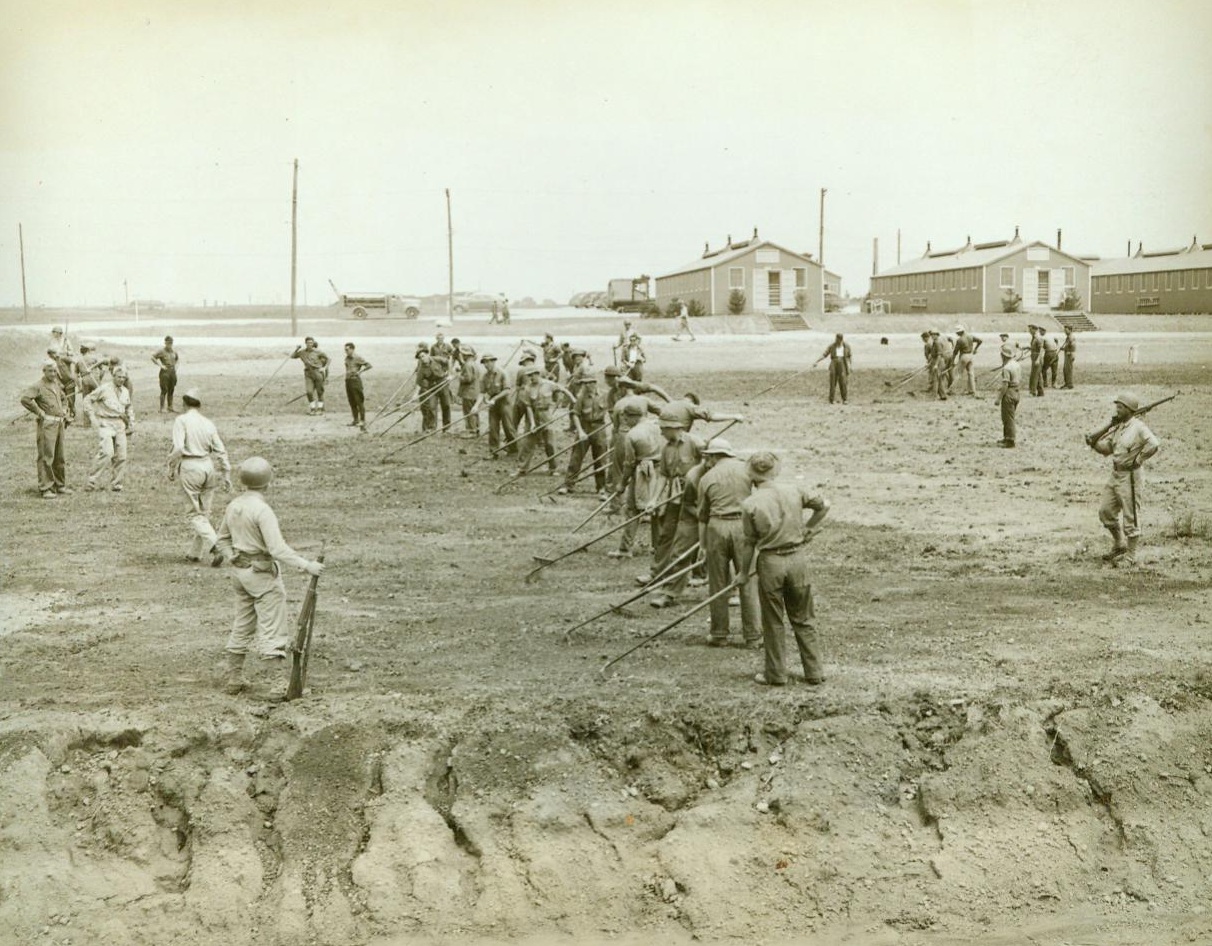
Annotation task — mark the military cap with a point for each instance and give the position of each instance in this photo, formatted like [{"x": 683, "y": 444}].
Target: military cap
[
  {"x": 468, "y": 351},
  {"x": 670, "y": 420},
  {"x": 484, "y": 359},
  {"x": 634, "y": 410},
  {"x": 50, "y": 364},
  {"x": 612, "y": 371},
  {"x": 762, "y": 466},
  {"x": 585, "y": 379},
  {"x": 579, "y": 351},
  {"x": 925, "y": 334},
  {"x": 84, "y": 346},
  {"x": 193, "y": 394},
  {"x": 934, "y": 331},
  {"x": 57, "y": 330},
  {"x": 535, "y": 369},
  {"x": 529, "y": 356},
  {"x": 421, "y": 346},
  {"x": 1004, "y": 335}
]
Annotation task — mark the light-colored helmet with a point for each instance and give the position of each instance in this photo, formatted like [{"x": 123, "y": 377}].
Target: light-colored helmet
[
  {"x": 1130, "y": 401},
  {"x": 256, "y": 473},
  {"x": 718, "y": 447}
]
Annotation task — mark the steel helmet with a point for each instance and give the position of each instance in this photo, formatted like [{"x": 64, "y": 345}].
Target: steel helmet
[
  {"x": 718, "y": 447},
  {"x": 256, "y": 473},
  {"x": 1129, "y": 401}
]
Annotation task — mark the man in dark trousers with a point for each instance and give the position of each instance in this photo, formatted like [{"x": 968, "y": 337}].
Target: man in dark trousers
[
  {"x": 494, "y": 386},
  {"x": 775, "y": 549},
  {"x": 1069, "y": 347},
  {"x": 1010, "y": 378},
  {"x": 166, "y": 360},
  {"x": 44, "y": 400},
  {"x": 591, "y": 422},
  {"x": 355, "y": 366},
  {"x": 838, "y": 354}
]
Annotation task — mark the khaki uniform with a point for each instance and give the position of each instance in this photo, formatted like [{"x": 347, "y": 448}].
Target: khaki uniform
[
  {"x": 500, "y": 412},
  {"x": 1069, "y": 347},
  {"x": 720, "y": 493},
  {"x": 772, "y": 522},
  {"x": 109, "y": 411},
  {"x": 1121, "y": 498},
  {"x": 591, "y": 411},
  {"x": 45, "y": 399},
  {"x": 639, "y": 476},
  {"x": 1011, "y": 379},
  {"x": 676, "y": 461},
  {"x": 197, "y": 447}
]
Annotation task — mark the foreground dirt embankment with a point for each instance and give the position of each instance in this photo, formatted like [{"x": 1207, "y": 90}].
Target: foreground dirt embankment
[{"x": 1013, "y": 745}]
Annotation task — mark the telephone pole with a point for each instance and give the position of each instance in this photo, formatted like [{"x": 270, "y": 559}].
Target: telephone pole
[
  {"x": 820, "y": 246},
  {"x": 450, "y": 260},
  {"x": 294, "y": 247},
  {"x": 24, "y": 301}
]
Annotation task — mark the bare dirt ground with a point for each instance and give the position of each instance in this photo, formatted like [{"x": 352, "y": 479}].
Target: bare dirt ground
[{"x": 1014, "y": 744}]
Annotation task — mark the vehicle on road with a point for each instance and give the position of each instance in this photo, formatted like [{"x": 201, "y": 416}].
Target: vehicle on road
[
  {"x": 629, "y": 295},
  {"x": 476, "y": 302},
  {"x": 377, "y": 305}
]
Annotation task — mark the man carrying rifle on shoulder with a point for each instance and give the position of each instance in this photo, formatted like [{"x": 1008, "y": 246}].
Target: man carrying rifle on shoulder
[{"x": 1129, "y": 443}]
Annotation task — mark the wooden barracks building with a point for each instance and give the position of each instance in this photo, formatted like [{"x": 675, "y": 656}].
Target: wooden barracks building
[
  {"x": 1164, "y": 281},
  {"x": 768, "y": 274},
  {"x": 975, "y": 277}
]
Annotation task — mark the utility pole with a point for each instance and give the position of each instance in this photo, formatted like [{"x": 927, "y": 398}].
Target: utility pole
[
  {"x": 24, "y": 301},
  {"x": 820, "y": 245},
  {"x": 875, "y": 256},
  {"x": 125, "y": 294},
  {"x": 294, "y": 247},
  {"x": 450, "y": 260},
  {"x": 898, "y": 246}
]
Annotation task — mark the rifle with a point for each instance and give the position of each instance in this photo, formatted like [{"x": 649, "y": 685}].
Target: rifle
[
  {"x": 301, "y": 650},
  {"x": 1094, "y": 438}
]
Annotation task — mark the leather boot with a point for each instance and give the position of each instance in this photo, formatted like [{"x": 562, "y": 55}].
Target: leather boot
[
  {"x": 1128, "y": 557},
  {"x": 1118, "y": 546},
  {"x": 233, "y": 676}
]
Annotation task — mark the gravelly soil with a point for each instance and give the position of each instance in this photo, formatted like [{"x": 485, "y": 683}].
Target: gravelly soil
[{"x": 1014, "y": 744}]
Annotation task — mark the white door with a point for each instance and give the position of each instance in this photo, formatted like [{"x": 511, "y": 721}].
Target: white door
[
  {"x": 761, "y": 290},
  {"x": 787, "y": 287},
  {"x": 1030, "y": 287},
  {"x": 1056, "y": 288}
]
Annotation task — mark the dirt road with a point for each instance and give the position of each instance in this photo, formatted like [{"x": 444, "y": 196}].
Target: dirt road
[{"x": 1014, "y": 744}]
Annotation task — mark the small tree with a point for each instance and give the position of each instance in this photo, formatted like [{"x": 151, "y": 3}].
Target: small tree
[
  {"x": 801, "y": 301},
  {"x": 736, "y": 302},
  {"x": 695, "y": 309},
  {"x": 1071, "y": 301},
  {"x": 1011, "y": 301}
]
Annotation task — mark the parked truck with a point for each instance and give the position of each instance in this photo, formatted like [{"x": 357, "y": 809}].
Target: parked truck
[
  {"x": 629, "y": 295},
  {"x": 380, "y": 305}
]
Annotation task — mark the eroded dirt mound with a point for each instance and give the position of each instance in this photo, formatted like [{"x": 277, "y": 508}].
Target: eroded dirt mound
[{"x": 276, "y": 827}]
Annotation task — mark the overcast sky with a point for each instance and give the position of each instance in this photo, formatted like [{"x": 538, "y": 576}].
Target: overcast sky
[{"x": 152, "y": 143}]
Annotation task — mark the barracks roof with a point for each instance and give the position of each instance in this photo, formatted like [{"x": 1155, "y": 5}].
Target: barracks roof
[
  {"x": 968, "y": 256},
  {"x": 710, "y": 260},
  {"x": 1195, "y": 256}
]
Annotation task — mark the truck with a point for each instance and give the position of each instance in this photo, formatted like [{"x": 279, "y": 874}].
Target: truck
[
  {"x": 629, "y": 295},
  {"x": 381, "y": 305}
]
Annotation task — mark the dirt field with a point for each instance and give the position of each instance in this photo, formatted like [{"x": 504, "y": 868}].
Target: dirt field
[{"x": 1014, "y": 744}]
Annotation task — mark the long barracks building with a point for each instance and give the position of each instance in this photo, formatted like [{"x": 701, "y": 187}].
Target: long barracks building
[
  {"x": 1164, "y": 281},
  {"x": 976, "y": 277}
]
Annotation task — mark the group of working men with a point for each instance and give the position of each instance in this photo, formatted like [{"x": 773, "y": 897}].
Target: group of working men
[{"x": 708, "y": 510}]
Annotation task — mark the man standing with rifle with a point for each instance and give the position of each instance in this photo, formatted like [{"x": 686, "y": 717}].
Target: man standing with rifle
[
  {"x": 1129, "y": 443},
  {"x": 775, "y": 549},
  {"x": 251, "y": 540}
]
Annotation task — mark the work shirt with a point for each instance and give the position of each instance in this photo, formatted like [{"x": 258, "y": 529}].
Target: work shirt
[
  {"x": 1051, "y": 346},
  {"x": 591, "y": 409},
  {"x": 493, "y": 382},
  {"x": 633, "y": 401},
  {"x": 1069, "y": 346},
  {"x": 944, "y": 351},
  {"x": 355, "y": 364},
  {"x": 539, "y": 398},
  {"x": 251, "y": 527},
  {"x": 313, "y": 359},
  {"x": 643, "y": 442},
  {"x": 690, "y": 492},
  {"x": 566, "y": 358},
  {"x": 1037, "y": 348},
  {"x": 1129, "y": 443},
  {"x": 44, "y": 397},
  {"x": 772, "y": 515},
  {"x": 110, "y": 402},
  {"x": 442, "y": 348},
  {"x": 519, "y": 377},
  {"x": 469, "y": 381},
  {"x": 686, "y": 411},
  {"x": 633, "y": 354},
  {"x": 966, "y": 344},
  {"x": 166, "y": 358},
  {"x": 1011, "y": 376},
  {"x": 722, "y": 490},
  {"x": 678, "y": 458},
  {"x": 195, "y": 436},
  {"x": 65, "y": 367},
  {"x": 838, "y": 352}
]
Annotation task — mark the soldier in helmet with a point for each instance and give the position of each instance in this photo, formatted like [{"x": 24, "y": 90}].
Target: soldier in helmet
[
  {"x": 251, "y": 540},
  {"x": 1129, "y": 443},
  {"x": 197, "y": 448}
]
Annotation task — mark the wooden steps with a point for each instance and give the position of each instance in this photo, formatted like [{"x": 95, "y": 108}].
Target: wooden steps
[{"x": 786, "y": 322}]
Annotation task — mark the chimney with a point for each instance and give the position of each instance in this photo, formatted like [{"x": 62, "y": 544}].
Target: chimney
[
  {"x": 1129, "y": 247},
  {"x": 875, "y": 256},
  {"x": 729, "y": 241},
  {"x": 1058, "y": 238},
  {"x": 706, "y": 247},
  {"x": 927, "y": 247},
  {"x": 755, "y": 233},
  {"x": 1016, "y": 236},
  {"x": 1140, "y": 246}
]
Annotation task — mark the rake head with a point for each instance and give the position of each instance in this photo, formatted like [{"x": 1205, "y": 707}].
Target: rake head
[
  {"x": 533, "y": 576},
  {"x": 543, "y": 559}
]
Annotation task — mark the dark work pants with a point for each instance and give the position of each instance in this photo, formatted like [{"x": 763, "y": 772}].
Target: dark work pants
[
  {"x": 357, "y": 399},
  {"x": 1009, "y": 410},
  {"x": 785, "y": 595},
  {"x": 837, "y": 380}
]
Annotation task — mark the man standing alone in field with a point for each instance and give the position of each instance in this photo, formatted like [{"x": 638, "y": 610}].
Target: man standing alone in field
[
  {"x": 251, "y": 539},
  {"x": 315, "y": 373},
  {"x": 355, "y": 365},
  {"x": 166, "y": 360},
  {"x": 1129, "y": 443},
  {"x": 45, "y": 401},
  {"x": 196, "y": 448},
  {"x": 838, "y": 354},
  {"x": 1007, "y": 395},
  {"x": 775, "y": 540}
]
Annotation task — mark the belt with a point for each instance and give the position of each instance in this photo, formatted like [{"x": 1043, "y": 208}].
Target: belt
[
  {"x": 728, "y": 515},
  {"x": 247, "y": 559},
  {"x": 785, "y": 549}
]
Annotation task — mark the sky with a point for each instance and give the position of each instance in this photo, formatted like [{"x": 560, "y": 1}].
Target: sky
[{"x": 147, "y": 148}]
